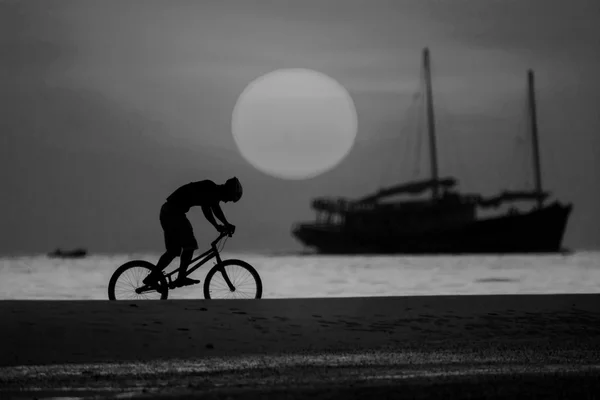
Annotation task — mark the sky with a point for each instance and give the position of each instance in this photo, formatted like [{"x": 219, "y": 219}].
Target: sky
[{"x": 109, "y": 106}]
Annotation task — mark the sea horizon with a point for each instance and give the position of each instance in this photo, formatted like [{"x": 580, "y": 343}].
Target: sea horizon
[{"x": 305, "y": 276}]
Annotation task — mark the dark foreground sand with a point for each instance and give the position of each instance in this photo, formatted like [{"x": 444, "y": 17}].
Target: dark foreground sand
[{"x": 535, "y": 346}]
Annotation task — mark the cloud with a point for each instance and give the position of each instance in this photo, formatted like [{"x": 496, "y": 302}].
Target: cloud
[
  {"x": 549, "y": 29},
  {"x": 30, "y": 41}
]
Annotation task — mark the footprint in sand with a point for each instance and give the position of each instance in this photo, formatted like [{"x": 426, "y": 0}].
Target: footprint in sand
[
  {"x": 324, "y": 321},
  {"x": 382, "y": 326},
  {"x": 422, "y": 319}
]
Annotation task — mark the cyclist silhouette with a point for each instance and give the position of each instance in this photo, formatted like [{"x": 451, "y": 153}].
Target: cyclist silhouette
[{"x": 179, "y": 236}]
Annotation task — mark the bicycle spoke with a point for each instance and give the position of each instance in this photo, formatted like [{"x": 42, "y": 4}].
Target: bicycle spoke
[
  {"x": 130, "y": 280},
  {"x": 244, "y": 284}
]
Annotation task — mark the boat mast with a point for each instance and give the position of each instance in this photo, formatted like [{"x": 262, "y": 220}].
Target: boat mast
[
  {"x": 431, "y": 124},
  {"x": 534, "y": 138}
]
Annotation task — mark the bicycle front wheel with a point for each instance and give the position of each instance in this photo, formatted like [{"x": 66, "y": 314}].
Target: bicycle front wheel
[
  {"x": 232, "y": 279},
  {"x": 126, "y": 283}
]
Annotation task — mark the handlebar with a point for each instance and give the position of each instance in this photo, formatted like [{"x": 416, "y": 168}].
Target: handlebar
[{"x": 221, "y": 236}]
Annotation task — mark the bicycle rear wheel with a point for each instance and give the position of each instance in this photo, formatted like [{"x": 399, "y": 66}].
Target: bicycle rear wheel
[
  {"x": 126, "y": 283},
  {"x": 232, "y": 279}
]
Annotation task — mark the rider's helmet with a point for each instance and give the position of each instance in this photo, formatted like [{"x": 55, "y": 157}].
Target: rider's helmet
[{"x": 234, "y": 188}]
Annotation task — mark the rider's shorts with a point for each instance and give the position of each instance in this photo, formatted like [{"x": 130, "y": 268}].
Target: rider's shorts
[{"x": 177, "y": 228}]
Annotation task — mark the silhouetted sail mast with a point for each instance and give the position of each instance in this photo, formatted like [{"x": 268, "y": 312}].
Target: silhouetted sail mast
[
  {"x": 431, "y": 124},
  {"x": 534, "y": 137},
  {"x": 446, "y": 223}
]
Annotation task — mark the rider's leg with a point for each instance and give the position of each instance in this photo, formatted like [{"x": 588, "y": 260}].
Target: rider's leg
[
  {"x": 189, "y": 244},
  {"x": 168, "y": 223},
  {"x": 171, "y": 222},
  {"x": 173, "y": 249},
  {"x": 164, "y": 261},
  {"x": 185, "y": 259}
]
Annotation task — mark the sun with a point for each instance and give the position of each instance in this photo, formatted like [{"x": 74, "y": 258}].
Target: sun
[{"x": 294, "y": 123}]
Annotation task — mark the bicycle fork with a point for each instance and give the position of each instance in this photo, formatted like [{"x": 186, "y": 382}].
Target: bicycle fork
[
  {"x": 227, "y": 280},
  {"x": 223, "y": 272}
]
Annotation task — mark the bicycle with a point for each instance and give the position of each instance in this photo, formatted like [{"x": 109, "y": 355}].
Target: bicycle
[{"x": 230, "y": 286}]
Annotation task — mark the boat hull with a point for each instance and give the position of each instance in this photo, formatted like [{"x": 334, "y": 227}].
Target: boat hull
[
  {"x": 79, "y": 253},
  {"x": 537, "y": 231}
]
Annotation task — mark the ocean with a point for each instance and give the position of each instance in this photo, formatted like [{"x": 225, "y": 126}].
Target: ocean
[{"x": 289, "y": 276}]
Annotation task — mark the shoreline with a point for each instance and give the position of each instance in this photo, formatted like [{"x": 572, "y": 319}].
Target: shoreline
[
  {"x": 86, "y": 331},
  {"x": 262, "y": 345}
]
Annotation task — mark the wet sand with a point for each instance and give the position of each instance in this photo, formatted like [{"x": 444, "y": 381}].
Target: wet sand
[{"x": 499, "y": 346}]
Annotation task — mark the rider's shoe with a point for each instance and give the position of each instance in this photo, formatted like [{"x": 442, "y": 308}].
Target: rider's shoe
[{"x": 185, "y": 282}]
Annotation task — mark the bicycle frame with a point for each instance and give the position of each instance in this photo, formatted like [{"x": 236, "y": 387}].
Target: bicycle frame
[{"x": 211, "y": 253}]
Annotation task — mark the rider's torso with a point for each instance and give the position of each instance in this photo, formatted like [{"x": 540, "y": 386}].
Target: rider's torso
[{"x": 201, "y": 193}]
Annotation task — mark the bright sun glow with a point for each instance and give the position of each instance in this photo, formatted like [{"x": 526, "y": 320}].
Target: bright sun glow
[{"x": 294, "y": 123}]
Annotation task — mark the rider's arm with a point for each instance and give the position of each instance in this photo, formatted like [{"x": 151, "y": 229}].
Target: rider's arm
[
  {"x": 208, "y": 213},
  {"x": 216, "y": 209}
]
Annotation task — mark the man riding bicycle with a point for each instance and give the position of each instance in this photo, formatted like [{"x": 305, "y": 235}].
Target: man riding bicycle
[{"x": 179, "y": 236}]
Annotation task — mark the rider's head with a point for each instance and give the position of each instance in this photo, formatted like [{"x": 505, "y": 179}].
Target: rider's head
[{"x": 233, "y": 188}]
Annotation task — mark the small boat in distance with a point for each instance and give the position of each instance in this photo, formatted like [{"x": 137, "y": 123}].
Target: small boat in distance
[
  {"x": 75, "y": 253},
  {"x": 447, "y": 221}
]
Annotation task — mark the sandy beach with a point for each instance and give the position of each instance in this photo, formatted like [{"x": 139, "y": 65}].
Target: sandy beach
[{"x": 316, "y": 346}]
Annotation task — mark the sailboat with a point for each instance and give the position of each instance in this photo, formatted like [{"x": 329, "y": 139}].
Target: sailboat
[
  {"x": 445, "y": 222},
  {"x": 75, "y": 253}
]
